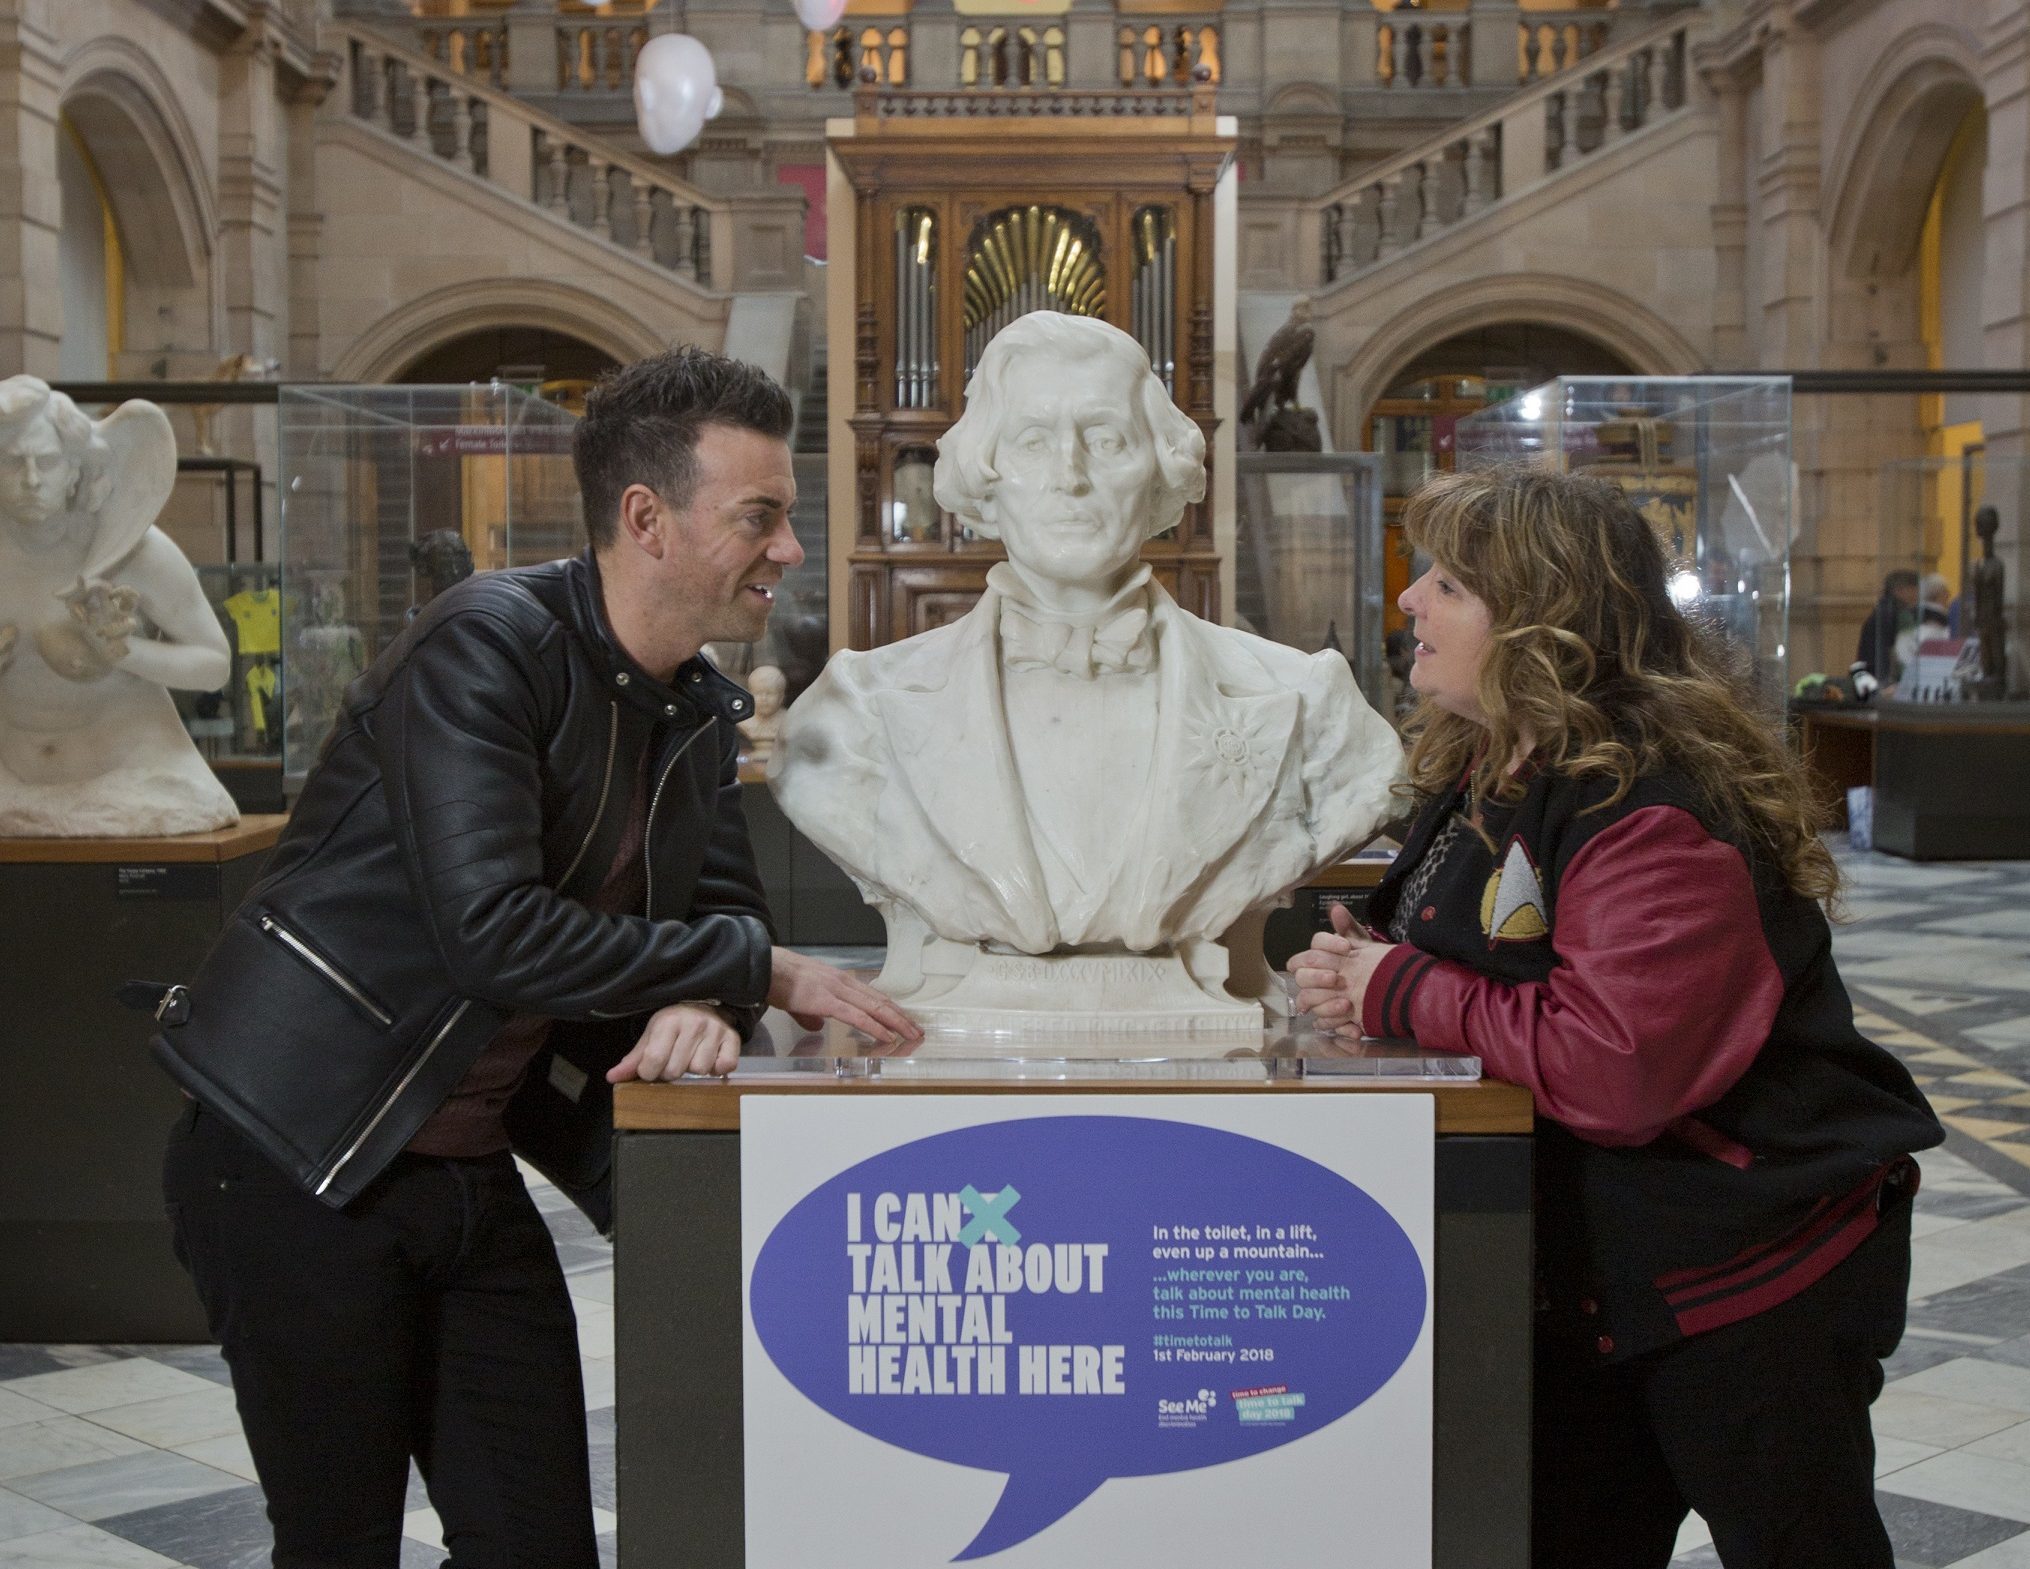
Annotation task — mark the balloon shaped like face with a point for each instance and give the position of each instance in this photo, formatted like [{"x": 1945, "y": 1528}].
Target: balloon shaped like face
[
  {"x": 820, "y": 13},
  {"x": 676, "y": 91}
]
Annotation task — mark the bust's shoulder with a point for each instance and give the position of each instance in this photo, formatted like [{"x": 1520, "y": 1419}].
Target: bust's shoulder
[
  {"x": 919, "y": 663},
  {"x": 1278, "y": 664}
]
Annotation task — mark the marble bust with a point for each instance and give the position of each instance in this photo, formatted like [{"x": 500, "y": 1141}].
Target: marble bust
[
  {"x": 758, "y": 731},
  {"x": 1063, "y": 801},
  {"x": 99, "y": 613}
]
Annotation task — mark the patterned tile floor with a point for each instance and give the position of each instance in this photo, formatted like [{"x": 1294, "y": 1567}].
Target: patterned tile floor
[{"x": 119, "y": 1457}]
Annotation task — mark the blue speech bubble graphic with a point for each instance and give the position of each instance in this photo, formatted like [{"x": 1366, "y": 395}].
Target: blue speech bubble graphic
[{"x": 1181, "y": 1297}]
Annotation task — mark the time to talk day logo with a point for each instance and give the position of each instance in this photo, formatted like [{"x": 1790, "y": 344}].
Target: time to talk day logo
[{"x": 1069, "y": 1300}]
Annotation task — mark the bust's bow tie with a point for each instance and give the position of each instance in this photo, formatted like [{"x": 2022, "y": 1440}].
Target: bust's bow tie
[{"x": 1119, "y": 641}]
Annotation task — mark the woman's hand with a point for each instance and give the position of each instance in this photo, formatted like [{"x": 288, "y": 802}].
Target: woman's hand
[
  {"x": 686, "y": 1037},
  {"x": 1332, "y": 975}
]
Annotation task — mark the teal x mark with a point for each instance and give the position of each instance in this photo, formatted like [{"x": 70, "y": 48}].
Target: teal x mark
[{"x": 989, "y": 1215}]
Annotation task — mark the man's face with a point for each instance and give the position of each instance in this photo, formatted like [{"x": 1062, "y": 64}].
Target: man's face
[
  {"x": 35, "y": 476},
  {"x": 730, "y": 547},
  {"x": 1077, "y": 468}
]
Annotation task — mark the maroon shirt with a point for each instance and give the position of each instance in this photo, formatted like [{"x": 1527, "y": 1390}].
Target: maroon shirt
[{"x": 469, "y": 1120}]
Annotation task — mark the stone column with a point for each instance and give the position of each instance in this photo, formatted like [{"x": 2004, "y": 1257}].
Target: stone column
[
  {"x": 1730, "y": 223},
  {"x": 31, "y": 203},
  {"x": 532, "y": 47},
  {"x": 1494, "y": 51},
  {"x": 305, "y": 358},
  {"x": 253, "y": 159},
  {"x": 1788, "y": 182}
]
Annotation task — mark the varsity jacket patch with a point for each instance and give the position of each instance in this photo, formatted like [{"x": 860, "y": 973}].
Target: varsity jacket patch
[{"x": 1513, "y": 907}]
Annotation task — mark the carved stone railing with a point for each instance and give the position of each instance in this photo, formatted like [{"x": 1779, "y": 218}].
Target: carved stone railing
[
  {"x": 468, "y": 45},
  {"x": 1609, "y": 95},
  {"x": 1169, "y": 53},
  {"x": 836, "y": 57},
  {"x": 534, "y": 157},
  {"x": 1066, "y": 103},
  {"x": 1491, "y": 44},
  {"x": 596, "y": 54}
]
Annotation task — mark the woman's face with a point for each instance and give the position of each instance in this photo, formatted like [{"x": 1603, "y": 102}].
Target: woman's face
[{"x": 1452, "y": 627}]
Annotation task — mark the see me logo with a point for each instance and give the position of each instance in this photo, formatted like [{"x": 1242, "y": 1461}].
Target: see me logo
[{"x": 1188, "y": 1412}]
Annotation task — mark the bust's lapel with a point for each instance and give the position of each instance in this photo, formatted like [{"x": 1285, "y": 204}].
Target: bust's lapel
[
  {"x": 1221, "y": 743},
  {"x": 950, "y": 708}
]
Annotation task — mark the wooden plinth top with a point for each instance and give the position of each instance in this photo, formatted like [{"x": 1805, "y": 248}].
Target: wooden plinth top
[
  {"x": 1923, "y": 718},
  {"x": 713, "y": 1105},
  {"x": 251, "y": 835}
]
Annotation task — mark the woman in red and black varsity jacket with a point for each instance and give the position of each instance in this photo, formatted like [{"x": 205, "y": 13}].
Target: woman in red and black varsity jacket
[{"x": 1612, "y": 895}]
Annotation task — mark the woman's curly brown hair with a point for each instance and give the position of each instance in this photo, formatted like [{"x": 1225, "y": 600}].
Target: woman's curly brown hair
[{"x": 1591, "y": 669}]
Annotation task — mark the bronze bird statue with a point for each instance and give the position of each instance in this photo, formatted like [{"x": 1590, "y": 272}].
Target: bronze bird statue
[{"x": 1281, "y": 363}]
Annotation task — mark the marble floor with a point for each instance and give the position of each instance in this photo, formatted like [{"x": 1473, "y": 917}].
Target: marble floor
[{"x": 119, "y": 1457}]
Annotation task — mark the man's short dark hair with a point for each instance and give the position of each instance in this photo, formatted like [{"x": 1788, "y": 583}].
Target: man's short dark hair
[
  {"x": 642, "y": 422},
  {"x": 1902, "y": 577}
]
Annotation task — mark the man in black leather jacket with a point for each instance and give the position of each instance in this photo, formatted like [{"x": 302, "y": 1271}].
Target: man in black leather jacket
[{"x": 517, "y": 874}]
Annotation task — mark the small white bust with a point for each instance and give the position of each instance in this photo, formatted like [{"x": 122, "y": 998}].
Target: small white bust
[
  {"x": 769, "y": 686},
  {"x": 1078, "y": 769},
  {"x": 99, "y": 613}
]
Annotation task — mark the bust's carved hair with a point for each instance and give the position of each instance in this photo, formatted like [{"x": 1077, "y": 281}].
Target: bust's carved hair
[
  {"x": 1591, "y": 661},
  {"x": 965, "y": 464}
]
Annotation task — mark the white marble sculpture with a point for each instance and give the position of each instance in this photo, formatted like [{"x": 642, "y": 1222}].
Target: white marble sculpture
[
  {"x": 99, "y": 612},
  {"x": 1064, "y": 800},
  {"x": 758, "y": 730}
]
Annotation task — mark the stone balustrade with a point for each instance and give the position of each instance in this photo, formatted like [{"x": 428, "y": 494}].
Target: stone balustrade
[
  {"x": 1608, "y": 94},
  {"x": 1493, "y": 43},
  {"x": 580, "y": 178},
  {"x": 1068, "y": 103},
  {"x": 596, "y": 54},
  {"x": 469, "y": 46}
]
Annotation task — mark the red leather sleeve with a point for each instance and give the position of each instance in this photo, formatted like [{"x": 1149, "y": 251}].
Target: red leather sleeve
[{"x": 1663, "y": 993}]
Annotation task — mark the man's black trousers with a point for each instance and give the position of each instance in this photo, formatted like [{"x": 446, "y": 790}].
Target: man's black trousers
[{"x": 429, "y": 1318}]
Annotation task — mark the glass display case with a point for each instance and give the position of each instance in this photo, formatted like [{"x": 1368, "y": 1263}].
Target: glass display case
[
  {"x": 1939, "y": 629},
  {"x": 240, "y": 725},
  {"x": 387, "y": 493},
  {"x": 1308, "y": 557},
  {"x": 1707, "y": 459}
]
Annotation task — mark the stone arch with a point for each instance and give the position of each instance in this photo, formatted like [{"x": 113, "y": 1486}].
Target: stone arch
[
  {"x": 1880, "y": 178},
  {"x": 127, "y": 115},
  {"x": 414, "y": 329},
  {"x": 1637, "y": 335}
]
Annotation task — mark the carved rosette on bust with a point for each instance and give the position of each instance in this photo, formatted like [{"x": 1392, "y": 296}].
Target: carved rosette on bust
[
  {"x": 1074, "y": 805},
  {"x": 99, "y": 614}
]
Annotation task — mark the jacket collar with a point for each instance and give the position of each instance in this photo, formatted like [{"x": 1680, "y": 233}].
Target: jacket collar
[{"x": 700, "y": 690}]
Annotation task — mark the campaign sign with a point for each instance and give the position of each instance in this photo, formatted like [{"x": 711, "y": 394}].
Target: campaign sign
[{"x": 1074, "y": 1298}]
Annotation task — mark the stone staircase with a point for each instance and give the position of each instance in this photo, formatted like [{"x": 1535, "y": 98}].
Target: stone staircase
[
  {"x": 1552, "y": 127},
  {"x": 504, "y": 208},
  {"x": 1583, "y": 201}
]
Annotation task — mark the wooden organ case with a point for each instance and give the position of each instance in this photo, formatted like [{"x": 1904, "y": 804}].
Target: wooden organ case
[{"x": 972, "y": 208}]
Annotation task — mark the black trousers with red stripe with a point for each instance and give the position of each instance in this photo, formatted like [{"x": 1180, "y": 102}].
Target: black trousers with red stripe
[{"x": 1761, "y": 1426}]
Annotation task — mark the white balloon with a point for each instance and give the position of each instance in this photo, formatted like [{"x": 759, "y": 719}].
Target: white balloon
[
  {"x": 675, "y": 91},
  {"x": 718, "y": 102},
  {"x": 820, "y": 13}
]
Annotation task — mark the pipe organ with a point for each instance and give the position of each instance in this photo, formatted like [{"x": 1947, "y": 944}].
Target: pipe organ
[{"x": 973, "y": 209}]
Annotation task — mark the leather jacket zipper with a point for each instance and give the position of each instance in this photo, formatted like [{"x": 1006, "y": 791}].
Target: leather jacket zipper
[
  {"x": 327, "y": 969},
  {"x": 605, "y": 788},
  {"x": 648, "y": 860},
  {"x": 648, "y": 830},
  {"x": 429, "y": 1050}
]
